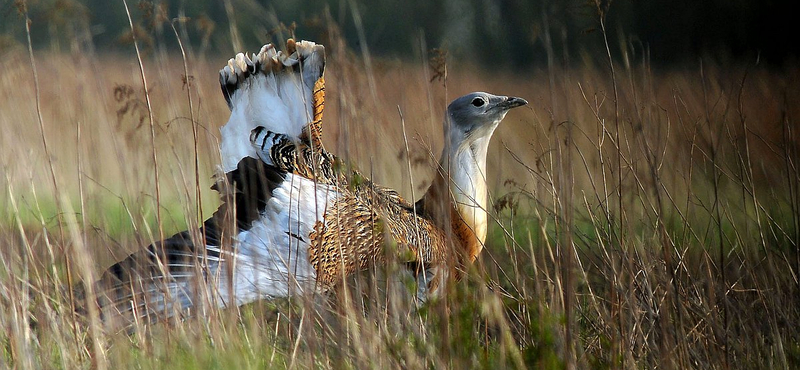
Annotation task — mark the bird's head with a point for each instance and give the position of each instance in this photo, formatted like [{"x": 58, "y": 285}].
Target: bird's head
[{"x": 475, "y": 116}]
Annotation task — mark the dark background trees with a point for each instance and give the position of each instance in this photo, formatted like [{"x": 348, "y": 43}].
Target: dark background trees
[{"x": 515, "y": 31}]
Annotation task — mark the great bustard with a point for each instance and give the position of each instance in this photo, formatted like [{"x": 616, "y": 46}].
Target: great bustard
[{"x": 290, "y": 221}]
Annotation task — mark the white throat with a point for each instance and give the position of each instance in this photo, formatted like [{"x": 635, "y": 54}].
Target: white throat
[{"x": 467, "y": 168}]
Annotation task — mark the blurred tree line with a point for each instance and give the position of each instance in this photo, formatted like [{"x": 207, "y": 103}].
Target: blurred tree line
[{"x": 510, "y": 33}]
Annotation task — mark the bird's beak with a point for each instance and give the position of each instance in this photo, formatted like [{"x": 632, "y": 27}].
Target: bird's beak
[{"x": 512, "y": 102}]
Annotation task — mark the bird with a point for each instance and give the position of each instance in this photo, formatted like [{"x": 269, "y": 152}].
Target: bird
[{"x": 293, "y": 217}]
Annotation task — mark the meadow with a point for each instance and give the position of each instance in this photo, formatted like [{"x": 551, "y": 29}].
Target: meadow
[{"x": 642, "y": 217}]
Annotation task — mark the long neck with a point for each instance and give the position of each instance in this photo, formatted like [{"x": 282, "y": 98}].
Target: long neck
[
  {"x": 457, "y": 198},
  {"x": 468, "y": 185}
]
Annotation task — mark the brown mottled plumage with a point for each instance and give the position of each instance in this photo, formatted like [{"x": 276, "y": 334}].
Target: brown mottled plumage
[{"x": 366, "y": 226}]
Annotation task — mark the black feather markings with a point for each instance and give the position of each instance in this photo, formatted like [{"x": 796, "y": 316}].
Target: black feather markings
[
  {"x": 253, "y": 182},
  {"x": 293, "y": 235}
]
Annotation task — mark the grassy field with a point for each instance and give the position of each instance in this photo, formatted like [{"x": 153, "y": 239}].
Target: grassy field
[{"x": 643, "y": 218}]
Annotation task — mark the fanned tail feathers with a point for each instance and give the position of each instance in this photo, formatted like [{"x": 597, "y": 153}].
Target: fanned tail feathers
[{"x": 281, "y": 91}]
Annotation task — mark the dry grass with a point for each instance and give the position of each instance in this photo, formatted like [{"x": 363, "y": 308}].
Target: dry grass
[{"x": 657, "y": 230}]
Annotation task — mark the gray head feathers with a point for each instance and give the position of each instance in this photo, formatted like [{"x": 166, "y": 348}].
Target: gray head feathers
[{"x": 476, "y": 115}]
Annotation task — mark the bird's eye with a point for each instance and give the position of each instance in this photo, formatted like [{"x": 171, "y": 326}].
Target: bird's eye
[{"x": 478, "y": 102}]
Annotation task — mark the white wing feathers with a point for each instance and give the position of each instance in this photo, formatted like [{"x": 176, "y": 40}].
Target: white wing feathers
[
  {"x": 272, "y": 258},
  {"x": 271, "y": 89}
]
